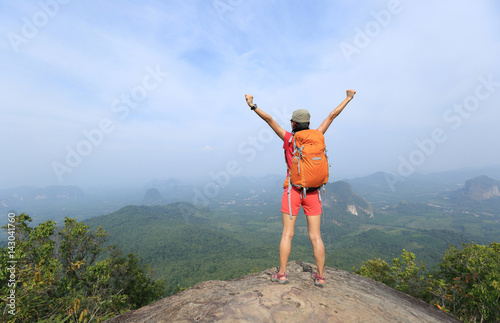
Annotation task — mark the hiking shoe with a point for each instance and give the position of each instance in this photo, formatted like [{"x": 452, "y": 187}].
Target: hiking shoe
[
  {"x": 317, "y": 278},
  {"x": 277, "y": 278}
]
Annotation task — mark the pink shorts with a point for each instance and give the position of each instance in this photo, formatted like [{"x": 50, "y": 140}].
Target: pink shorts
[{"x": 311, "y": 204}]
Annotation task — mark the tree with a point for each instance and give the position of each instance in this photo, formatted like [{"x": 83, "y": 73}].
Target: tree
[
  {"x": 403, "y": 275},
  {"x": 409, "y": 277},
  {"x": 468, "y": 283},
  {"x": 378, "y": 270},
  {"x": 63, "y": 273}
]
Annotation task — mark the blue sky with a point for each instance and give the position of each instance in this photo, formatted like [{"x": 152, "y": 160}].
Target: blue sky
[{"x": 122, "y": 92}]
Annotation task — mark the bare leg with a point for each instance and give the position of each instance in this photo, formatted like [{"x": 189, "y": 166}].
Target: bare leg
[
  {"x": 313, "y": 226},
  {"x": 286, "y": 241}
]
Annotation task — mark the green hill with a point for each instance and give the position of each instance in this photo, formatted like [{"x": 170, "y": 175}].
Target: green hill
[{"x": 183, "y": 244}]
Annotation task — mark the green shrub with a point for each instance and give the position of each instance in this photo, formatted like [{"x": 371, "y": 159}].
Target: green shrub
[
  {"x": 54, "y": 275},
  {"x": 466, "y": 283}
]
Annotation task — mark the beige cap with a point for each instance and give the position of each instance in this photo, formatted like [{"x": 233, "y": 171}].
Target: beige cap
[{"x": 301, "y": 116}]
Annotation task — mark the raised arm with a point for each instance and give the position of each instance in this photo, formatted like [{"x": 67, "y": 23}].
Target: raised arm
[
  {"x": 328, "y": 121},
  {"x": 266, "y": 117}
]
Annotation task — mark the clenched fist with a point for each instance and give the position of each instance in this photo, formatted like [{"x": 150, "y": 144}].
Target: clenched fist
[
  {"x": 249, "y": 99},
  {"x": 350, "y": 93}
]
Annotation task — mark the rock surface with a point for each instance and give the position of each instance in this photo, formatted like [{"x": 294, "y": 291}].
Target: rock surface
[{"x": 346, "y": 297}]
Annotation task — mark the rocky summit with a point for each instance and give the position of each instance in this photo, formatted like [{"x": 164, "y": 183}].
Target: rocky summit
[{"x": 346, "y": 297}]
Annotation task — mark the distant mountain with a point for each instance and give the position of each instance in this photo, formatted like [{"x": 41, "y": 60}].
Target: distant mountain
[
  {"x": 376, "y": 182},
  {"x": 459, "y": 176},
  {"x": 478, "y": 189},
  {"x": 340, "y": 195},
  {"x": 392, "y": 188},
  {"x": 171, "y": 190},
  {"x": 153, "y": 197},
  {"x": 386, "y": 187}
]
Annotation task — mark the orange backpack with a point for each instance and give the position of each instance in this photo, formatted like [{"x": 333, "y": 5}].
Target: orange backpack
[{"x": 310, "y": 168}]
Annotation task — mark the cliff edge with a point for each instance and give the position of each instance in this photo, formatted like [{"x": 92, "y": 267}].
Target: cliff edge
[{"x": 346, "y": 297}]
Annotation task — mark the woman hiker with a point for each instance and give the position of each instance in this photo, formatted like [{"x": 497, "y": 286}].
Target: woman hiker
[{"x": 311, "y": 203}]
